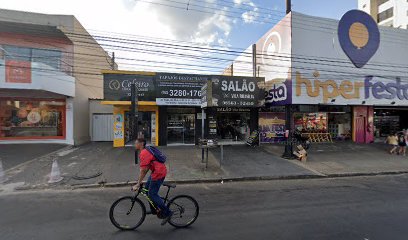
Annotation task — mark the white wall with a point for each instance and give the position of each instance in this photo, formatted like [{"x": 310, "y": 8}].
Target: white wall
[
  {"x": 48, "y": 80},
  {"x": 315, "y": 47}
]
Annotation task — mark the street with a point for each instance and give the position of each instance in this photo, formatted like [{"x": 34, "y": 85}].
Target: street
[{"x": 338, "y": 208}]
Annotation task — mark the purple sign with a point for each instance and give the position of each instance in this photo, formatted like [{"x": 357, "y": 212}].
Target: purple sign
[
  {"x": 271, "y": 127},
  {"x": 278, "y": 93}
]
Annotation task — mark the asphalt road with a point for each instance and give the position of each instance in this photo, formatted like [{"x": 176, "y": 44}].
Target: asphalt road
[{"x": 344, "y": 208}]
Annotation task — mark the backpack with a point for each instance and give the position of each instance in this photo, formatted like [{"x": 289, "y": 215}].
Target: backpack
[{"x": 160, "y": 157}]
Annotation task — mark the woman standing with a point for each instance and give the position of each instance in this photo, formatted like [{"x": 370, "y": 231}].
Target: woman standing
[{"x": 402, "y": 143}]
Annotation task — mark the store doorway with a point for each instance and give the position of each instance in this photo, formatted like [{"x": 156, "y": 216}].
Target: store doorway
[
  {"x": 144, "y": 124},
  {"x": 181, "y": 129}
]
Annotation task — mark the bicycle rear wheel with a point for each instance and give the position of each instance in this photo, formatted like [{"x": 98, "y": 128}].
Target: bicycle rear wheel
[
  {"x": 185, "y": 211},
  {"x": 127, "y": 213}
]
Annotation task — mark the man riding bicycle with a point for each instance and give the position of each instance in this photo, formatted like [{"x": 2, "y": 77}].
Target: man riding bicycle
[{"x": 155, "y": 180}]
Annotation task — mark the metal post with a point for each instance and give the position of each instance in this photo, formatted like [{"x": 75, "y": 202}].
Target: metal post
[
  {"x": 288, "y": 6},
  {"x": 202, "y": 132},
  {"x": 288, "y": 154},
  {"x": 134, "y": 117},
  {"x": 254, "y": 60}
]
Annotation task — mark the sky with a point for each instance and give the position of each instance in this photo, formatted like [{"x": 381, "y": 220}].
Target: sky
[{"x": 227, "y": 24}]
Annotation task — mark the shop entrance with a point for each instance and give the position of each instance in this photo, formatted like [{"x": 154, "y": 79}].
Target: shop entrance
[
  {"x": 388, "y": 121},
  {"x": 144, "y": 126},
  {"x": 180, "y": 127},
  {"x": 233, "y": 126}
]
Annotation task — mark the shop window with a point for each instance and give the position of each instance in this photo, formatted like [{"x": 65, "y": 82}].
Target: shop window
[
  {"x": 233, "y": 126},
  {"x": 32, "y": 118}
]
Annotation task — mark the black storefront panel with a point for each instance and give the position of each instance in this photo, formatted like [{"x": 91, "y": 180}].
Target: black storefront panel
[{"x": 117, "y": 87}]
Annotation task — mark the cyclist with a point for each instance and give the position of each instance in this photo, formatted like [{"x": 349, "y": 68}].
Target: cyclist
[{"x": 155, "y": 180}]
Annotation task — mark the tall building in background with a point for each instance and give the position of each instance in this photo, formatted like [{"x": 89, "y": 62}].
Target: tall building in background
[{"x": 391, "y": 13}]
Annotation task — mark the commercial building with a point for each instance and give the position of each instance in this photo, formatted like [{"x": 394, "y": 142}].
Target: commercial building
[
  {"x": 342, "y": 79},
  {"x": 49, "y": 68},
  {"x": 390, "y": 13},
  {"x": 170, "y": 107}
]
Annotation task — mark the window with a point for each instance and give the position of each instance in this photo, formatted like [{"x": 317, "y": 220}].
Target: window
[
  {"x": 17, "y": 53},
  {"x": 49, "y": 57},
  {"x": 385, "y": 15},
  {"x": 25, "y": 118}
]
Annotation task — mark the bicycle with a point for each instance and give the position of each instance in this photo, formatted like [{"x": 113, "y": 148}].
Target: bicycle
[{"x": 130, "y": 209}]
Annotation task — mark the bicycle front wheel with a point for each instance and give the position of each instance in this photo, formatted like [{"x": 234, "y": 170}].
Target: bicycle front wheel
[
  {"x": 185, "y": 211},
  {"x": 127, "y": 213}
]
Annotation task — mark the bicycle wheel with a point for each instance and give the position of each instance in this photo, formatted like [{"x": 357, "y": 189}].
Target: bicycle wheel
[
  {"x": 127, "y": 213},
  {"x": 185, "y": 211}
]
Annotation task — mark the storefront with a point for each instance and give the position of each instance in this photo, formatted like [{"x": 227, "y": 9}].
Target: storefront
[
  {"x": 22, "y": 118},
  {"x": 331, "y": 82},
  {"x": 169, "y": 107},
  {"x": 389, "y": 120},
  {"x": 34, "y": 116}
]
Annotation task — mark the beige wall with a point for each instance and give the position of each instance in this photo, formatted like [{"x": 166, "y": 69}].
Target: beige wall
[{"x": 89, "y": 60}]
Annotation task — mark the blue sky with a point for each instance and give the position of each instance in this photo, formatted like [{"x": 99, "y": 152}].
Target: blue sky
[{"x": 322, "y": 8}]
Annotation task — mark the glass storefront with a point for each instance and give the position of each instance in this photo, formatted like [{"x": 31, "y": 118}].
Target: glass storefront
[
  {"x": 233, "y": 124},
  {"x": 181, "y": 126},
  {"x": 22, "y": 118}
]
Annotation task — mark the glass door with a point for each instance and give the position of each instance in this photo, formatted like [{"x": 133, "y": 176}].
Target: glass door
[
  {"x": 181, "y": 128},
  {"x": 143, "y": 126}
]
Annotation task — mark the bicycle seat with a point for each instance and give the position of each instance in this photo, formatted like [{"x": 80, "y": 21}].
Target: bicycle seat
[{"x": 170, "y": 185}]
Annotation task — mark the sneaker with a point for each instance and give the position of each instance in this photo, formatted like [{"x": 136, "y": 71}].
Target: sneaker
[{"x": 167, "y": 219}]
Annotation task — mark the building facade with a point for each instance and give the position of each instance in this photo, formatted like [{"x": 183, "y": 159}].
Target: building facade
[
  {"x": 47, "y": 75},
  {"x": 342, "y": 79},
  {"x": 171, "y": 108},
  {"x": 390, "y": 13}
]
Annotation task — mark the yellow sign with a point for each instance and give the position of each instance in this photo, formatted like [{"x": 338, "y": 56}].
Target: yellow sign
[
  {"x": 118, "y": 127},
  {"x": 330, "y": 88}
]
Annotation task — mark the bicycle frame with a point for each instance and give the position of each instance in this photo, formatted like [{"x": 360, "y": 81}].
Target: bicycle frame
[{"x": 145, "y": 192}]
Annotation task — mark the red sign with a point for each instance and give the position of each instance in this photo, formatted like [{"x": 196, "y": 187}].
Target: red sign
[{"x": 18, "y": 71}]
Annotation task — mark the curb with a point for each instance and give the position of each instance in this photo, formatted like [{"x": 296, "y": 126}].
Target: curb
[{"x": 200, "y": 181}]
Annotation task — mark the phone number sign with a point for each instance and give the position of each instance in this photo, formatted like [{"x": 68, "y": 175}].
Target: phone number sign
[{"x": 179, "y": 89}]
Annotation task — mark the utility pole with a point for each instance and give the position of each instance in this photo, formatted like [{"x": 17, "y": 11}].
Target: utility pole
[
  {"x": 254, "y": 60},
  {"x": 288, "y": 154},
  {"x": 113, "y": 61},
  {"x": 134, "y": 117}
]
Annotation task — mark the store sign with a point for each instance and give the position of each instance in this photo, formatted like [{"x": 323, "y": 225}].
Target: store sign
[
  {"x": 179, "y": 89},
  {"x": 117, "y": 87},
  {"x": 18, "y": 71},
  {"x": 371, "y": 90},
  {"x": 359, "y": 36},
  {"x": 271, "y": 127},
  {"x": 236, "y": 92}
]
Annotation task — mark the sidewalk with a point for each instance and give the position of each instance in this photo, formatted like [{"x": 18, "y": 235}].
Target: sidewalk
[
  {"x": 348, "y": 158},
  {"x": 116, "y": 165},
  {"x": 98, "y": 164}
]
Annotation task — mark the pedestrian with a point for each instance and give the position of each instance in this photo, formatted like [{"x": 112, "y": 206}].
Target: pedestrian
[
  {"x": 392, "y": 140},
  {"x": 402, "y": 143}
]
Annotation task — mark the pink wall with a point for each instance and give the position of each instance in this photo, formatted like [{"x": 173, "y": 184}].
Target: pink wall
[{"x": 363, "y": 124}]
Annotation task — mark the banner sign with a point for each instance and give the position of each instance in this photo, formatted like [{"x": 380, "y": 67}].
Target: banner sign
[
  {"x": 179, "y": 89},
  {"x": 117, "y": 87},
  {"x": 237, "y": 91},
  {"x": 18, "y": 71},
  {"x": 271, "y": 127}
]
